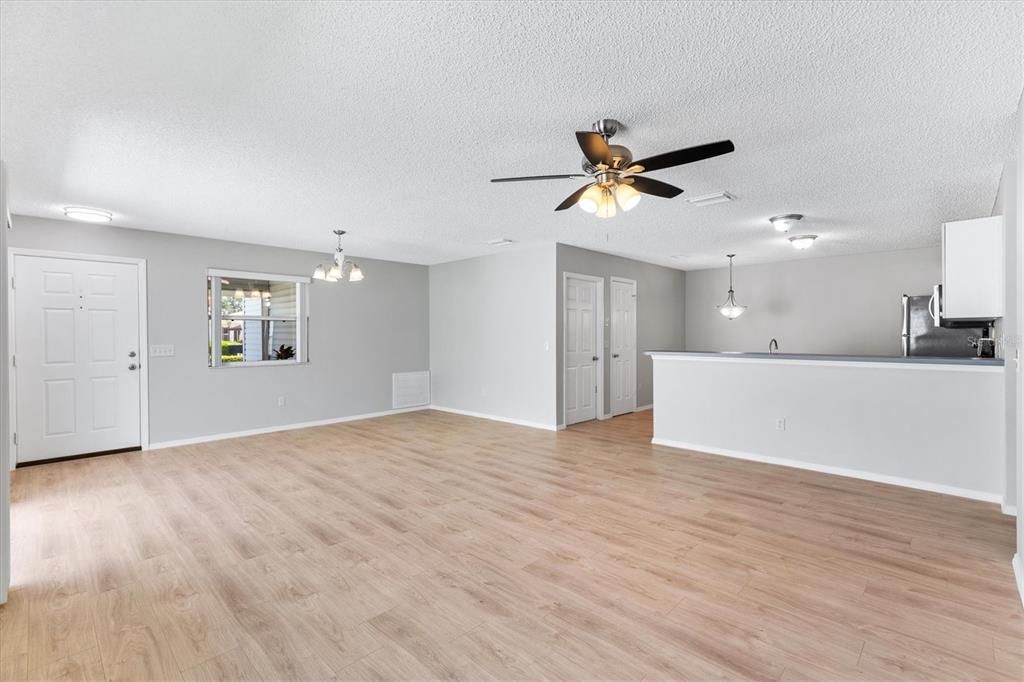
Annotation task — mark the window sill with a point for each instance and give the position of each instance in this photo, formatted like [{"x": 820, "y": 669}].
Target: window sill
[{"x": 259, "y": 363}]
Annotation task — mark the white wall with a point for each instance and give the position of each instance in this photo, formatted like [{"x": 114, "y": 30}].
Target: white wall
[
  {"x": 359, "y": 332},
  {"x": 1018, "y": 418},
  {"x": 492, "y": 335},
  {"x": 894, "y": 422},
  {"x": 660, "y": 319},
  {"x": 848, "y": 305},
  {"x": 1008, "y": 328},
  {"x": 5, "y": 430}
]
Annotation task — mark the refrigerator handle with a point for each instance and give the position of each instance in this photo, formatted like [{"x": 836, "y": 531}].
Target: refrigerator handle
[
  {"x": 933, "y": 305},
  {"x": 905, "y": 335}
]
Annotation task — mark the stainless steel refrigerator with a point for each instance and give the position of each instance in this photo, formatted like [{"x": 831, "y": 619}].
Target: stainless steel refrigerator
[{"x": 922, "y": 337}]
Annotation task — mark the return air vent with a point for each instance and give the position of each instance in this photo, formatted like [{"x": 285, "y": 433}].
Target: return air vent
[{"x": 410, "y": 389}]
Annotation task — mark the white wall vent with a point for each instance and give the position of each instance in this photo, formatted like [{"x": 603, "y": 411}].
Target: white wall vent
[{"x": 410, "y": 389}]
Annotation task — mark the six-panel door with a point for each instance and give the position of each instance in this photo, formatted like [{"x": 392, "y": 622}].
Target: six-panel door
[
  {"x": 77, "y": 356},
  {"x": 580, "y": 350}
]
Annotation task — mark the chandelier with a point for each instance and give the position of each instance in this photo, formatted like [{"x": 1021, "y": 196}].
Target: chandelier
[{"x": 341, "y": 266}]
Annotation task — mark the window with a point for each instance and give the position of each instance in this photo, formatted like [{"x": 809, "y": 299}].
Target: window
[{"x": 255, "y": 318}]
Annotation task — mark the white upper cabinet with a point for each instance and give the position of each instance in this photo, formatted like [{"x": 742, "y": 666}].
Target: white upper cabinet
[{"x": 972, "y": 269}]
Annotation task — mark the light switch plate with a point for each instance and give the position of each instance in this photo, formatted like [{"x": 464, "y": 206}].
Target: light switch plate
[{"x": 161, "y": 351}]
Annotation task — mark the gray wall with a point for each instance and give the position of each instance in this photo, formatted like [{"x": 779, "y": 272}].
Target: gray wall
[
  {"x": 660, "y": 320},
  {"x": 492, "y": 326},
  {"x": 1008, "y": 328},
  {"x": 359, "y": 333},
  {"x": 842, "y": 304}
]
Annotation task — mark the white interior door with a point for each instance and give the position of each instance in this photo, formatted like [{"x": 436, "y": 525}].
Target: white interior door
[
  {"x": 77, "y": 356},
  {"x": 623, "y": 346},
  {"x": 581, "y": 356}
]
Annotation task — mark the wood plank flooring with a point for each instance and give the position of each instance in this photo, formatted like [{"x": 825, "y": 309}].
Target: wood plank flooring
[{"x": 433, "y": 546}]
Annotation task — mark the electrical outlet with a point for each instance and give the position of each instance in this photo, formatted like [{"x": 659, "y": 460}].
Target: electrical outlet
[
  {"x": 780, "y": 424},
  {"x": 280, "y": 401},
  {"x": 166, "y": 351}
]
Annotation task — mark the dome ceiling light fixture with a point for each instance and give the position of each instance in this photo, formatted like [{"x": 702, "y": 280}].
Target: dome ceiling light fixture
[
  {"x": 337, "y": 271},
  {"x": 803, "y": 241},
  {"x": 88, "y": 215},
  {"x": 731, "y": 309},
  {"x": 615, "y": 178},
  {"x": 782, "y": 223}
]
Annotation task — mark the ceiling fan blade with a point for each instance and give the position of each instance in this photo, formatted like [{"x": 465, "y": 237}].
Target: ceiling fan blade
[
  {"x": 594, "y": 148},
  {"x": 688, "y": 155},
  {"x": 540, "y": 177},
  {"x": 574, "y": 197},
  {"x": 654, "y": 187}
]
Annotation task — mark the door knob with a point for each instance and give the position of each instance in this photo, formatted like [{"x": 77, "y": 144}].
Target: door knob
[
  {"x": 615, "y": 355},
  {"x": 133, "y": 366},
  {"x": 595, "y": 358},
  {"x": 131, "y": 354}
]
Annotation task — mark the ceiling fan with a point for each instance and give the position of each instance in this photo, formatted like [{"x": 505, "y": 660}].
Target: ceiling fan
[{"x": 615, "y": 177}]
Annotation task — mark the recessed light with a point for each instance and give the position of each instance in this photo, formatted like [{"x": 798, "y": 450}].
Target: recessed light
[
  {"x": 708, "y": 199},
  {"x": 803, "y": 241},
  {"x": 89, "y": 215},
  {"x": 501, "y": 242},
  {"x": 782, "y": 223}
]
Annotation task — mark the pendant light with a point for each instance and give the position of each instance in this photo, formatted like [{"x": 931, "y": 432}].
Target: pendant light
[
  {"x": 730, "y": 309},
  {"x": 336, "y": 271}
]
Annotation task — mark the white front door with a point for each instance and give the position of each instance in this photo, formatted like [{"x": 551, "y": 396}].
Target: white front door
[
  {"x": 581, "y": 356},
  {"x": 623, "y": 346},
  {"x": 77, "y": 356}
]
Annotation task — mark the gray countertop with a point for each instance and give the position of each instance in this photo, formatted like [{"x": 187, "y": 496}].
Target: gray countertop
[{"x": 916, "y": 360}]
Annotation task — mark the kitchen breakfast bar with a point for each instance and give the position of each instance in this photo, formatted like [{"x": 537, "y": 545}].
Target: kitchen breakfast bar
[{"x": 923, "y": 422}]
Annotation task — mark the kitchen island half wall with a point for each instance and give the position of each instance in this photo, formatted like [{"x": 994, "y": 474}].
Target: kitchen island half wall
[{"x": 924, "y": 423}]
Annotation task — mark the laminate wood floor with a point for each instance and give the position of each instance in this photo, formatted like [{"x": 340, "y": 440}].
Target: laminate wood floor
[{"x": 428, "y": 545}]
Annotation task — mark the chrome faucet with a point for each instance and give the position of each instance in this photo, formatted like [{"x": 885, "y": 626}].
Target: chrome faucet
[{"x": 773, "y": 344}]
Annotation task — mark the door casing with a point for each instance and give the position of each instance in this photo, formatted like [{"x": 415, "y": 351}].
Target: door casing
[
  {"x": 13, "y": 252},
  {"x": 599, "y": 323}
]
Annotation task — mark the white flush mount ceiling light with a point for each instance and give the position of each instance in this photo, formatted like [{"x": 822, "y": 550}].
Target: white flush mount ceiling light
[
  {"x": 730, "y": 309},
  {"x": 709, "y": 199},
  {"x": 336, "y": 272},
  {"x": 803, "y": 241},
  {"x": 501, "y": 242},
  {"x": 89, "y": 215},
  {"x": 782, "y": 223}
]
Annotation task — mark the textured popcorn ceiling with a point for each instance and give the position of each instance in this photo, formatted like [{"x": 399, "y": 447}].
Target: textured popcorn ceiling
[{"x": 275, "y": 123}]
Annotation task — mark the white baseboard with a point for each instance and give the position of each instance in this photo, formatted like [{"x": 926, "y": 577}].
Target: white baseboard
[
  {"x": 1009, "y": 509},
  {"x": 1018, "y": 573},
  {"x": 280, "y": 427},
  {"x": 838, "y": 471},
  {"x": 641, "y": 408},
  {"x": 494, "y": 417}
]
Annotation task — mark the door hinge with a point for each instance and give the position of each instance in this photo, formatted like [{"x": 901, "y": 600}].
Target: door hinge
[
  {"x": 12, "y": 282},
  {"x": 14, "y": 362},
  {"x": 15, "y": 435}
]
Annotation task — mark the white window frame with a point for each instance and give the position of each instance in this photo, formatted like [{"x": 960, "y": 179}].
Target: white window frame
[{"x": 214, "y": 276}]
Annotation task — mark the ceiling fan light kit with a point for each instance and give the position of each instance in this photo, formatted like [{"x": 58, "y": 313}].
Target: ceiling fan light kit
[
  {"x": 336, "y": 272},
  {"x": 616, "y": 180}
]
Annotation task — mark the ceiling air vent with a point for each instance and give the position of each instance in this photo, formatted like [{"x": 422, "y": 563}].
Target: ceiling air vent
[{"x": 708, "y": 199}]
